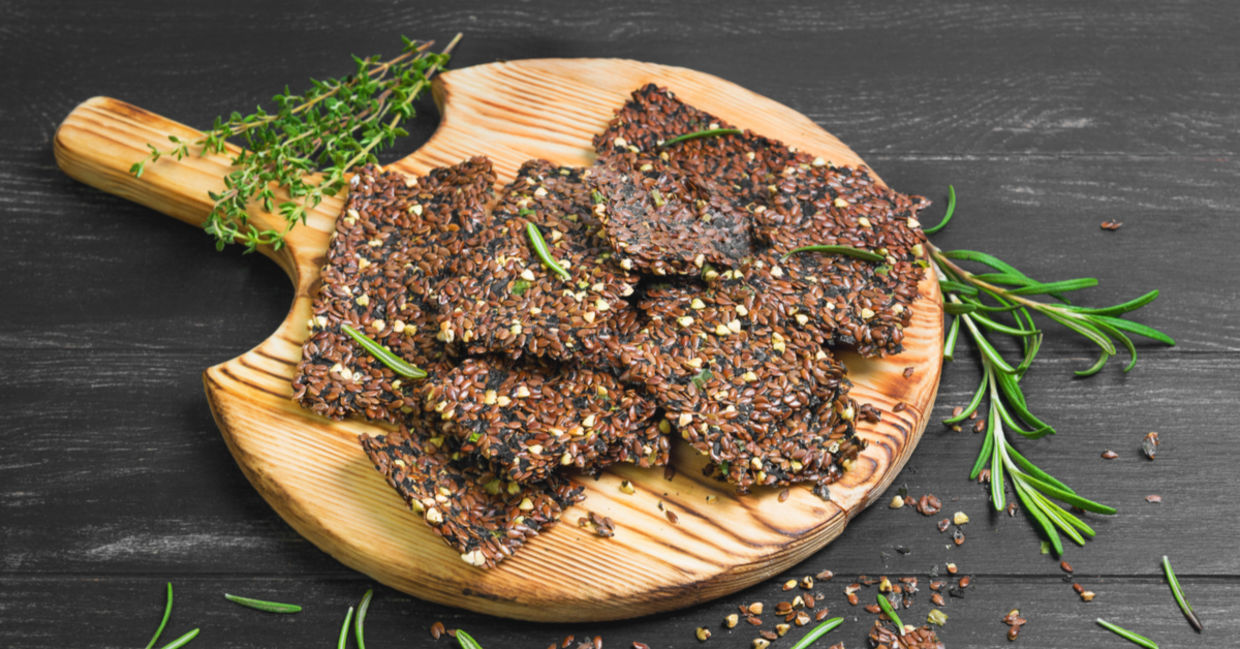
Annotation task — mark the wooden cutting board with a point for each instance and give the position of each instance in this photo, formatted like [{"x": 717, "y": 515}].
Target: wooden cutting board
[{"x": 313, "y": 472}]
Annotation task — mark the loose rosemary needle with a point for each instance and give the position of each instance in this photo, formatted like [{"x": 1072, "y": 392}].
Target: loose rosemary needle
[
  {"x": 1178, "y": 593},
  {"x": 539, "y": 244},
  {"x": 884, "y": 604},
  {"x": 262, "y": 605},
  {"x": 817, "y": 632},
  {"x": 466, "y": 641},
  {"x": 1127, "y": 635},
  {"x": 341, "y": 642},
  {"x": 384, "y": 355},
  {"x": 181, "y": 641},
  {"x": 359, "y": 622},
  {"x": 163, "y": 622},
  {"x": 697, "y": 134}
]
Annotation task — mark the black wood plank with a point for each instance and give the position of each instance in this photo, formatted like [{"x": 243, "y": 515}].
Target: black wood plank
[
  {"x": 1159, "y": 78},
  {"x": 123, "y": 612}
]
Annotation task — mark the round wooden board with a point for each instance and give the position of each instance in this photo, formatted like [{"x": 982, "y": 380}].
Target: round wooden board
[{"x": 313, "y": 472}]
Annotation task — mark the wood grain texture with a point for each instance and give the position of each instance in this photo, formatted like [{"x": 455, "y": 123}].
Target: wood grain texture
[{"x": 312, "y": 472}]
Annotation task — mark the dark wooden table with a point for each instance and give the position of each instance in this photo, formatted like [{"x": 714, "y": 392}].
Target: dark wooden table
[{"x": 1048, "y": 119}]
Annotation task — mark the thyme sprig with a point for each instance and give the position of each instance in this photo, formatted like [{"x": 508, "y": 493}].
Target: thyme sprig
[
  {"x": 308, "y": 144},
  {"x": 999, "y": 301}
]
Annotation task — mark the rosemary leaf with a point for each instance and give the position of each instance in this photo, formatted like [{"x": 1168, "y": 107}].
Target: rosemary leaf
[
  {"x": 163, "y": 622},
  {"x": 342, "y": 641},
  {"x": 885, "y": 604},
  {"x": 384, "y": 355},
  {"x": 263, "y": 605},
  {"x": 540, "y": 248},
  {"x": 1127, "y": 635},
  {"x": 466, "y": 641},
  {"x": 817, "y": 632},
  {"x": 359, "y": 621},
  {"x": 1178, "y": 593},
  {"x": 697, "y": 134},
  {"x": 181, "y": 641}
]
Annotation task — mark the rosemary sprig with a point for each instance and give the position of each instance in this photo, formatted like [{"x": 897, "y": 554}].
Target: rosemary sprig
[
  {"x": 384, "y": 355},
  {"x": 885, "y": 604},
  {"x": 342, "y": 641},
  {"x": 262, "y": 604},
  {"x": 982, "y": 302},
  {"x": 359, "y": 622},
  {"x": 848, "y": 251},
  {"x": 164, "y": 622},
  {"x": 1127, "y": 635},
  {"x": 817, "y": 632},
  {"x": 309, "y": 143},
  {"x": 1178, "y": 593},
  {"x": 697, "y": 134},
  {"x": 466, "y": 641},
  {"x": 539, "y": 244},
  {"x": 181, "y": 641}
]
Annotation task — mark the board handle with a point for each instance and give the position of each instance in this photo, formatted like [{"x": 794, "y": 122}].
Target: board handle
[{"x": 102, "y": 138}]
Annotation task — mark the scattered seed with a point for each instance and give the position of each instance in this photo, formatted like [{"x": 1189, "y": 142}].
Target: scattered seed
[
  {"x": 1065, "y": 566},
  {"x": 671, "y": 516},
  {"x": 936, "y": 599},
  {"x": 825, "y": 575},
  {"x": 908, "y": 372},
  {"x": 958, "y": 536},
  {"x": 756, "y": 608},
  {"x": 731, "y": 621},
  {"x": 761, "y": 643},
  {"x": 437, "y": 630},
  {"x": 1111, "y": 225},
  {"x": 702, "y": 634},
  {"x": 897, "y": 502},
  {"x": 790, "y": 584},
  {"x": 929, "y": 505},
  {"x": 769, "y": 635},
  {"x": 1153, "y": 498},
  {"x": 1087, "y": 596},
  {"x": 1149, "y": 445},
  {"x": 852, "y": 599},
  {"x": 951, "y": 568},
  {"x": 1109, "y": 454}
]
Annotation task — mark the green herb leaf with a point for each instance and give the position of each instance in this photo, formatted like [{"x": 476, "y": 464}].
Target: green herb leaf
[
  {"x": 885, "y": 604},
  {"x": 702, "y": 377},
  {"x": 308, "y": 144},
  {"x": 466, "y": 641},
  {"x": 342, "y": 641},
  {"x": 263, "y": 605},
  {"x": 1127, "y": 635},
  {"x": 359, "y": 622},
  {"x": 697, "y": 134},
  {"x": 1178, "y": 593},
  {"x": 164, "y": 621},
  {"x": 383, "y": 354},
  {"x": 181, "y": 641},
  {"x": 817, "y": 632},
  {"x": 519, "y": 287},
  {"x": 540, "y": 248},
  {"x": 947, "y": 215}
]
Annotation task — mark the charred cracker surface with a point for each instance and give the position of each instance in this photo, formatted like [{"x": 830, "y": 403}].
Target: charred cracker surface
[
  {"x": 529, "y": 421},
  {"x": 480, "y": 515}
]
